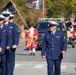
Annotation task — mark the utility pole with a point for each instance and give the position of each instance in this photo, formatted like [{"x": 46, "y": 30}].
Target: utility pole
[{"x": 43, "y": 9}]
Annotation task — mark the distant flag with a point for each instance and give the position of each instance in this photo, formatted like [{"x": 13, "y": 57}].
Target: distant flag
[
  {"x": 10, "y": 7},
  {"x": 35, "y": 4}
]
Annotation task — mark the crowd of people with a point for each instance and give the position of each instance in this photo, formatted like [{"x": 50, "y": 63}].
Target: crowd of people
[
  {"x": 71, "y": 30},
  {"x": 53, "y": 48},
  {"x": 9, "y": 40}
]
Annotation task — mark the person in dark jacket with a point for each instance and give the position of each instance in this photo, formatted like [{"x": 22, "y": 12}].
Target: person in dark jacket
[
  {"x": 53, "y": 48},
  {"x": 4, "y": 35},
  {"x": 10, "y": 54},
  {"x": 11, "y": 17}
]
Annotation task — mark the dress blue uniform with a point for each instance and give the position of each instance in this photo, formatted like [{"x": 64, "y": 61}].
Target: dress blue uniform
[
  {"x": 10, "y": 55},
  {"x": 4, "y": 35},
  {"x": 52, "y": 46}
]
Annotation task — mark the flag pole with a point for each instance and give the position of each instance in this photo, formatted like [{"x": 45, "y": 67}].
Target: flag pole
[
  {"x": 19, "y": 13},
  {"x": 43, "y": 9}
]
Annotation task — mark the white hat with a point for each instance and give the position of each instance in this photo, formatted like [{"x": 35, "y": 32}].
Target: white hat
[
  {"x": 11, "y": 15},
  {"x": 54, "y": 23},
  {"x": 1, "y": 17},
  {"x": 6, "y": 13}
]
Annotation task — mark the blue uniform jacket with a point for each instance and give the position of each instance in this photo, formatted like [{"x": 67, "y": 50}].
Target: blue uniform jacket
[
  {"x": 15, "y": 33},
  {"x": 53, "y": 45},
  {"x": 4, "y": 35}
]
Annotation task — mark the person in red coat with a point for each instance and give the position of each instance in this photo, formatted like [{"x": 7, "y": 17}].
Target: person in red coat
[{"x": 31, "y": 39}]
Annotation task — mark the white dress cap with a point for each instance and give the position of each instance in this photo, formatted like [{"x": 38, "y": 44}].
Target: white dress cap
[
  {"x": 11, "y": 15},
  {"x": 1, "y": 16},
  {"x": 53, "y": 22}
]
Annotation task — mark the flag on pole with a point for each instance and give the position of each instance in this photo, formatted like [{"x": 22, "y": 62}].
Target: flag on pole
[
  {"x": 35, "y": 4},
  {"x": 10, "y": 7}
]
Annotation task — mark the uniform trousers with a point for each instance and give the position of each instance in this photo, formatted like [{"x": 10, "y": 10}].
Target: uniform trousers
[
  {"x": 53, "y": 67},
  {"x": 10, "y": 63},
  {"x": 3, "y": 64}
]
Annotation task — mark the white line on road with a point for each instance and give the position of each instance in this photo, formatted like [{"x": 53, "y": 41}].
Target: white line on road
[
  {"x": 17, "y": 65},
  {"x": 38, "y": 66}
]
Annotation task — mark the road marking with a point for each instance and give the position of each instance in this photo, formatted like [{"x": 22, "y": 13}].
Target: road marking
[
  {"x": 17, "y": 65},
  {"x": 38, "y": 66},
  {"x": 63, "y": 67}
]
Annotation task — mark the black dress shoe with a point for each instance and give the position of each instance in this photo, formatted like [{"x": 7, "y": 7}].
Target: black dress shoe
[
  {"x": 30, "y": 54},
  {"x": 33, "y": 54}
]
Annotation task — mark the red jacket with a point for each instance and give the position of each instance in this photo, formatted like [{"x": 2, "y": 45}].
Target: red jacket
[{"x": 31, "y": 36}]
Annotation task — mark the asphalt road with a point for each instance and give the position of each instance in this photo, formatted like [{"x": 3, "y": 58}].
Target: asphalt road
[{"x": 35, "y": 65}]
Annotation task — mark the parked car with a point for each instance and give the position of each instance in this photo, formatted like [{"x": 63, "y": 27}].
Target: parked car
[{"x": 42, "y": 27}]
